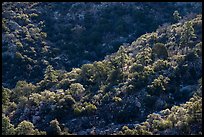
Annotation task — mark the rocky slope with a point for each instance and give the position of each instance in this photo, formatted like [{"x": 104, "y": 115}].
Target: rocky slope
[
  {"x": 157, "y": 71},
  {"x": 67, "y": 35},
  {"x": 151, "y": 86}
]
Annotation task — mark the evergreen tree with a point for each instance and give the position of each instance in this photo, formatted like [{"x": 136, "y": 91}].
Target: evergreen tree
[
  {"x": 55, "y": 126},
  {"x": 50, "y": 74},
  {"x": 187, "y": 34},
  {"x": 120, "y": 63},
  {"x": 176, "y": 16}
]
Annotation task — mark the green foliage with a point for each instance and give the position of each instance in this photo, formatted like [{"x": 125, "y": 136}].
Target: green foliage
[
  {"x": 140, "y": 79},
  {"x": 56, "y": 128},
  {"x": 19, "y": 45},
  {"x": 76, "y": 88},
  {"x": 158, "y": 85},
  {"x": 22, "y": 89},
  {"x": 84, "y": 109},
  {"x": 176, "y": 15},
  {"x": 161, "y": 65},
  {"x": 27, "y": 128},
  {"x": 117, "y": 99},
  {"x": 137, "y": 67},
  {"x": 90, "y": 108},
  {"x": 127, "y": 131},
  {"x": 140, "y": 130},
  {"x": 87, "y": 72},
  {"x": 7, "y": 127},
  {"x": 50, "y": 74},
  {"x": 162, "y": 125},
  {"x": 187, "y": 33},
  {"x": 19, "y": 56},
  {"x": 102, "y": 71},
  {"x": 35, "y": 99},
  {"x": 120, "y": 63},
  {"x": 78, "y": 110},
  {"x": 159, "y": 50},
  {"x": 144, "y": 57},
  {"x": 198, "y": 48},
  {"x": 69, "y": 100},
  {"x": 5, "y": 96},
  {"x": 180, "y": 59},
  {"x": 180, "y": 117},
  {"x": 50, "y": 77}
]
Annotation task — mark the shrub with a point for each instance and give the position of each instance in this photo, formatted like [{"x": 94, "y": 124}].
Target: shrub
[
  {"x": 19, "y": 55},
  {"x": 160, "y": 65},
  {"x": 22, "y": 88},
  {"x": 165, "y": 124},
  {"x": 137, "y": 67},
  {"x": 19, "y": 44},
  {"x": 87, "y": 73},
  {"x": 176, "y": 15},
  {"x": 144, "y": 57},
  {"x": 77, "y": 110},
  {"x": 90, "y": 108},
  {"x": 55, "y": 127},
  {"x": 76, "y": 90},
  {"x": 7, "y": 127},
  {"x": 127, "y": 131},
  {"x": 198, "y": 49},
  {"x": 187, "y": 33},
  {"x": 69, "y": 100},
  {"x": 35, "y": 98},
  {"x": 27, "y": 128},
  {"x": 160, "y": 51},
  {"x": 117, "y": 99},
  {"x": 192, "y": 56},
  {"x": 158, "y": 85},
  {"x": 5, "y": 96},
  {"x": 50, "y": 74}
]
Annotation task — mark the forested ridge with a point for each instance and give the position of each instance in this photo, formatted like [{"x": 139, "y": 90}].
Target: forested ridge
[{"x": 97, "y": 68}]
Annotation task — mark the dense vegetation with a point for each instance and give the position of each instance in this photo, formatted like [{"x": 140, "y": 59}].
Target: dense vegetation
[
  {"x": 67, "y": 34},
  {"x": 151, "y": 86}
]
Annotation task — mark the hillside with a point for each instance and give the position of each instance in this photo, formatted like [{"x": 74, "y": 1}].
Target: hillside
[
  {"x": 151, "y": 86},
  {"x": 69, "y": 34}
]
